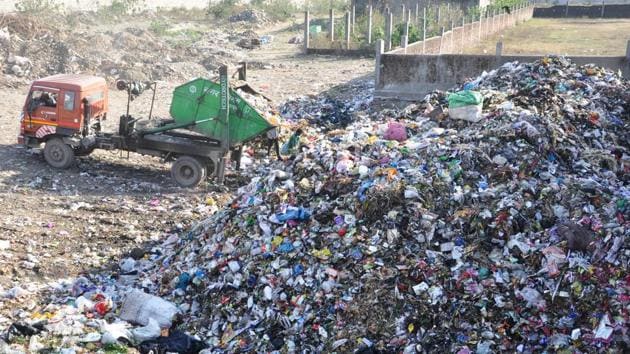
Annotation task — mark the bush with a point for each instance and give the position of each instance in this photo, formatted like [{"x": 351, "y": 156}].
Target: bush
[
  {"x": 37, "y": 6},
  {"x": 122, "y": 7},
  {"x": 159, "y": 27},
  {"x": 399, "y": 31},
  {"x": 223, "y": 9},
  {"x": 279, "y": 9},
  {"x": 323, "y": 6}
]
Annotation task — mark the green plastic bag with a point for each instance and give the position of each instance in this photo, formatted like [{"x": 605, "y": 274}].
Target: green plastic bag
[
  {"x": 465, "y": 105},
  {"x": 464, "y": 98}
]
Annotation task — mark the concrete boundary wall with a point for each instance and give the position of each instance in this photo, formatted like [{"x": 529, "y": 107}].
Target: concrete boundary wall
[{"x": 411, "y": 77}]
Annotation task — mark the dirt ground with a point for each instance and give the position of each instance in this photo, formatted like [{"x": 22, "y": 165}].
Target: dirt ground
[
  {"x": 560, "y": 36},
  {"x": 59, "y": 224}
]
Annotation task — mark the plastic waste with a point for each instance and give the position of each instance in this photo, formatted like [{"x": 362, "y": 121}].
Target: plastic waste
[
  {"x": 395, "y": 131},
  {"x": 139, "y": 307},
  {"x": 151, "y": 331},
  {"x": 176, "y": 342},
  {"x": 465, "y": 105}
]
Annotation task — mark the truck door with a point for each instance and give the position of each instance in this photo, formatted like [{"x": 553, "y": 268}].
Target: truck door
[
  {"x": 42, "y": 108},
  {"x": 69, "y": 110}
]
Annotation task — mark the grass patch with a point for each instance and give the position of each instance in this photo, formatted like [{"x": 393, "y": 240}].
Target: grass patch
[
  {"x": 560, "y": 36},
  {"x": 38, "y": 6}
]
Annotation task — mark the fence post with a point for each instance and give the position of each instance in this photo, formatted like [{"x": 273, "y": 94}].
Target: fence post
[
  {"x": 380, "y": 48},
  {"x": 499, "y": 51},
  {"x": 403, "y": 43},
  {"x": 441, "y": 40},
  {"x": 348, "y": 25},
  {"x": 494, "y": 16},
  {"x": 603, "y": 6},
  {"x": 439, "y": 18},
  {"x": 480, "y": 24},
  {"x": 416, "y": 14},
  {"x": 331, "y": 26},
  {"x": 566, "y": 10},
  {"x": 369, "y": 29},
  {"x": 307, "y": 31},
  {"x": 512, "y": 16},
  {"x": 390, "y": 20},
  {"x": 424, "y": 30},
  {"x": 402, "y": 11},
  {"x": 353, "y": 18},
  {"x": 407, "y": 26},
  {"x": 452, "y": 50},
  {"x": 461, "y": 49},
  {"x": 628, "y": 52}
]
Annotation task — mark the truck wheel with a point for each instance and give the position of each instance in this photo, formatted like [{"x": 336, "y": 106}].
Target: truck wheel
[
  {"x": 187, "y": 171},
  {"x": 58, "y": 154}
]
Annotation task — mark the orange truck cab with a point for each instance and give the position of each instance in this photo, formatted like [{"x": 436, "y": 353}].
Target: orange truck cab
[{"x": 64, "y": 107}]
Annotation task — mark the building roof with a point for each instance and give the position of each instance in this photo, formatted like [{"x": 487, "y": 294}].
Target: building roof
[{"x": 75, "y": 82}]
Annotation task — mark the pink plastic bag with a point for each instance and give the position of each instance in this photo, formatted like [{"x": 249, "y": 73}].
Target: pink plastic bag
[{"x": 396, "y": 131}]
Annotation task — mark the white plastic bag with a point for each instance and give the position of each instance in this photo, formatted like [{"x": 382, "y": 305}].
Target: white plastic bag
[{"x": 139, "y": 307}]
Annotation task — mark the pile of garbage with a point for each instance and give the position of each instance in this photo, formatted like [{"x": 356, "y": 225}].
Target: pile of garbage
[
  {"x": 505, "y": 230},
  {"x": 326, "y": 111},
  {"x": 251, "y": 16}
]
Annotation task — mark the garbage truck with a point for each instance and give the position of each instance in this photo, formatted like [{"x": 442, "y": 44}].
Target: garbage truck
[{"x": 65, "y": 112}]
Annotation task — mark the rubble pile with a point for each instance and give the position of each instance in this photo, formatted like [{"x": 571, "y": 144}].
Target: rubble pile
[
  {"x": 31, "y": 50},
  {"x": 408, "y": 231}
]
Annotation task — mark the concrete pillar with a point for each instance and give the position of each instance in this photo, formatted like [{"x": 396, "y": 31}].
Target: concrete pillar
[
  {"x": 603, "y": 7},
  {"x": 415, "y": 20},
  {"x": 369, "y": 29},
  {"x": 353, "y": 17},
  {"x": 402, "y": 12},
  {"x": 441, "y": 41},
  {"x": 628, "y": 52},
  {"x": 348, "y": 29},
  {"x": 407, "y": 28},
  {"x": 461, "y": 48},
  {"x": 331, "y": 26},
  {"x": 452, "y": 49},
  {"x": 307, "y": 31},
  {"x": 566, "y": 10},
  {"x": 424, "y": 30},
  {"x": 380, "y": 49},
  {"x": 499, "y": 50},
  {"x": 480, "y": 25},
  {"x": 404, "y": 41},
  {"x": 439, "y": 17},
  {"x": 388, "y": 31}
]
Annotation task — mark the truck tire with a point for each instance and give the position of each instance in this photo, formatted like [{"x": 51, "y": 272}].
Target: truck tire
[
  {"x": 58, "y": 154},
  {"x": 187, "y": 171}
]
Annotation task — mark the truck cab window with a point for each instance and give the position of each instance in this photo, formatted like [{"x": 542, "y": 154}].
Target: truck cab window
[
  {"x": 68, "y": 101},
  {"x": 44, "y": 99}
]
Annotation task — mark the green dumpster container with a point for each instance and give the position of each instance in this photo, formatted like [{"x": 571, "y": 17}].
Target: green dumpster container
[{"x": 199, "y": 100}]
